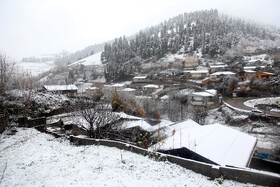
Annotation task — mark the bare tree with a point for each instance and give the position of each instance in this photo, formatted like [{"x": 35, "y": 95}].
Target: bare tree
[
  {"x": 102, "y": 122},
  {"x": 199, "y": 114},
  {"x": 6, "y": 70}
]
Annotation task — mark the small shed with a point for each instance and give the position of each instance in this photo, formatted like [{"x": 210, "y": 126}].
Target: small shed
[
  {"x": 215, "y": 144},
  {"x": 140, "y": 79},
  {"x": 70, "y": 89},
  {"x": 221, "y": 74}
]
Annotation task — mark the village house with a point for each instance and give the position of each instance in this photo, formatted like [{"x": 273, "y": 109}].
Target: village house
[
  {"x": 128, "y": 92},
  {"x": 241, "y": 89},
  {"x": 119, "y": 86},
  {"x": 265, "y": 76},
  {"x": 70, "y": 89},
  {"x": 197, "y": 74},
  {"x": 215, "y": 144},
  {"x": 220, "y": 75},
  {"x": 93, "y": 89},
  {"x": 110, "y": 88},
  {"x": 253, "y": 67},
  {"x": 246, "y": 75},
  {"x": 191, "y": 61},
  {"x": 207, "y": 98},
  {"x": 150, "y": 88},
  {"x": 249, "y": 67},
  {"x": 218, "y": 66},
  {"x": 140, "y": 79},
  {"x": 250, "y": 74}
]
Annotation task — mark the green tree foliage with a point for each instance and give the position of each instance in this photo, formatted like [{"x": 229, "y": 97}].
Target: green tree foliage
[{"x": 206, "y": 30}]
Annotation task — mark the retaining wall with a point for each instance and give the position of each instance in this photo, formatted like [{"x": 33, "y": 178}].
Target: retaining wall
[
  {"x": 212, "y": 171},
  {"x": 209, "y": 170},
  {"x": 26, "y": 122}
]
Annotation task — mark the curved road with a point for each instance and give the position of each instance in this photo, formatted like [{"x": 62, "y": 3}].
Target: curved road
[{"x": 239, "y": 103}]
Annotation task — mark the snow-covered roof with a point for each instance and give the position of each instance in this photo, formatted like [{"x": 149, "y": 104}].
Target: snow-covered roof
[
  {"x": 118, "y": 85},
  {"x": 243, "y": 82},
  {"x": 140, "y": 77},
  {"x": 60, "y": 87},
  {"x": 249, "y": 67},
  {"x": 128, "y": 90},
  {"x": 252, "y": 67},
  {"x": 218, "y": 143},
  {"x": 199, "y": 71},
  {"x": 268, "y": 73},
  {"x": 152, "y": 86},
  {"x": 139, "y": 123},
  {"x": 212, "y": 91},
  {"x": 250, "y": 71},
  {"x": 206, "y": 93},
  {"x": 223, "y": 73},
  {"x": 92, "y": 88},
  {"x": 218, "y": 66},
  {"x": 165, "y": 97},
  {"x": 202, "y": 94}
]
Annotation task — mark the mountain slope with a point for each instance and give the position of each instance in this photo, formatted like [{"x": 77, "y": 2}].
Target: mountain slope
[
  {"x": 94, "y": 59},
  {"x": 206, "y": 31}
]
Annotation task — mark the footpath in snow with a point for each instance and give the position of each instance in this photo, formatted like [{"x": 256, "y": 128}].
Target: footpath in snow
[{"x": 31, "y": 158}]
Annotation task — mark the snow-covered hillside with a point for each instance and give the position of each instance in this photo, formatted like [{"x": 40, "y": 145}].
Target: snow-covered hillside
[
  {"x": 34, "y": 68},
  {"x": 88, "y": 61},
  {"x": 266, "y": 101},
  {"x": 31, "y": 158}
]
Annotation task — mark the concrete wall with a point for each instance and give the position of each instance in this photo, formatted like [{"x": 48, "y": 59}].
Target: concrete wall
[
  {"x": 212, "y": 171},
  {"x": 267, "y": 165},
  {"x": 25, "y": 122},
  {"x": 4, "y": 123},
  {"x": 254, "y": 177}
]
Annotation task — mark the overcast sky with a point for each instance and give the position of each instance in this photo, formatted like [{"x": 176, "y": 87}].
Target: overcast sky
[{"x": 34, "y": 27}]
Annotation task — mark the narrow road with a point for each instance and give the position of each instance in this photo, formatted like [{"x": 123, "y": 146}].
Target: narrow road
[{"x": 239, "y": 104}]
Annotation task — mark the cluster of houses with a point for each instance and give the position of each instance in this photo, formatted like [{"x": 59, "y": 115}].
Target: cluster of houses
[
  {"x": 144, "y": 85},
  {"x": 206, "y": 98}
]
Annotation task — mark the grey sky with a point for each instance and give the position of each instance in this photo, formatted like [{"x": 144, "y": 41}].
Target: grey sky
[{"x": 33, "y": 27}]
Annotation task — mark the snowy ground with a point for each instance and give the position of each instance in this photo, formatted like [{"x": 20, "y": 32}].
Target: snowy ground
[
  {"x": 31, "y": 158},
  {"x": 267, "y": 101},
  {"x": 90, "y": 60},
  {"x": 35, "y": 68}
]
